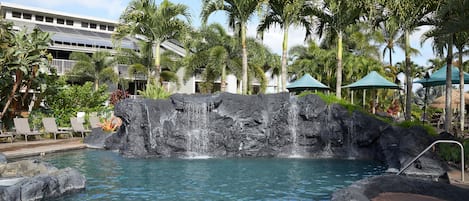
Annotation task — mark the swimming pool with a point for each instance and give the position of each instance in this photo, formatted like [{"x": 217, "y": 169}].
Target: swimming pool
[{"x": 112, "y": 177}]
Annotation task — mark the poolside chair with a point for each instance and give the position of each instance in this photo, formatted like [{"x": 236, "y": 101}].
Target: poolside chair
[
  {"x": 51, "y": 127},
  {"x": 22, "y": 128},
  {"x": 94, "y": 122},
  {"x": 7, "y": 135},
  {"x": 78, "y": 127}
]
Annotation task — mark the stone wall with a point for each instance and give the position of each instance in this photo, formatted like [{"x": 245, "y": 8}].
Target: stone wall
[{"x": 273, "y": 125}]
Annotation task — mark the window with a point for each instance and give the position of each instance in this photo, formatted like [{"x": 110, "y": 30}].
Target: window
[
  {"x": 84, "y": 24},
  {"x": 102, "y": 27},
  {"x": 92, "y": 26},
  {"x": 60, "y": 21},
  {"x": 69, "y": 22},
  {"x": 16, "y": 14},
  {"x": 110, "y": 28},
  {"x": 39, "y": 18},
  {"x": 27, "y": 16},
  {"x": 49, "y": 19}
]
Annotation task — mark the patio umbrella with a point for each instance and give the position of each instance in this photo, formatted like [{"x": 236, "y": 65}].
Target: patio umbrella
[
  {"x": 372, "y": 81},
  {"x": 440, "y": 101},
  {"x": 439, "y": 77},
  {"x": 306, "y": 83}
]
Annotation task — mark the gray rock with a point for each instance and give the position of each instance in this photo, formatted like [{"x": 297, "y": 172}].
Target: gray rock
[
  {"x": 36, "y": 180},
  {"x": 272, "y": 125},
  {"x": 369, "y": 188}
]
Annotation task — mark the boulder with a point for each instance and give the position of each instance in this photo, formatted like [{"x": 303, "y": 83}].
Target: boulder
[
  {"x": 35, "y": 180},
  {"x": 369, "y": 188},
  {"x": 271, "y": 125}
]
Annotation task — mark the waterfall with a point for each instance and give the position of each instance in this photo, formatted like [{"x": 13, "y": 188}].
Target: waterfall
[
  {"x": 150, "y": 133},
  {"x": 292, "y": 125},
  {"x": 197, "y": 115},
  {"x": 327, "y": 151},
  {"x": 351, "y": 135}
]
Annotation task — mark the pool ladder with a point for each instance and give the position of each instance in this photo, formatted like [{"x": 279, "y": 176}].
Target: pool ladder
[{"x": 428, "y": 148}]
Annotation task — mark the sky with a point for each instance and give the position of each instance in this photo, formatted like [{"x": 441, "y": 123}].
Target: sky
[{"x": 111, "y": 10}]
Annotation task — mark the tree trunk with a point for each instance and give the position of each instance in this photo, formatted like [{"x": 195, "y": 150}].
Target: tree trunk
[
  {"x": 157, "y": 62},
  {"x": 19, "y": 76},
  {"x": 284, "y": 58},
  {"x": 408, "y": 79},
  {"x": 448, "y": 110},
  {"x": 245, "y": 59},
  {"x": 390, "y": 57},
  {"x": 223, "y": 79},
  {"x": 96, "y": 83},
  {"x": 461, "y": 91},
  {"x": 338, "y": 86}
]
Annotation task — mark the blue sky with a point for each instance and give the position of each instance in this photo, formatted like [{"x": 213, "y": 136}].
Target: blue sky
[{"x": 111, "y": 9}]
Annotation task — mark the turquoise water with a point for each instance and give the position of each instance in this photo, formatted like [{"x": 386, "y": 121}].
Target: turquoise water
[{"x": 111, "y": 177}]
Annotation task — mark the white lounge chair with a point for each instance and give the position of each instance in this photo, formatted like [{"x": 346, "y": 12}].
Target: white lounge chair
[
  {"x": 78, "y": 127},
  {"x": 51, "y": 127},
  {"x": 22, "y": 128}
]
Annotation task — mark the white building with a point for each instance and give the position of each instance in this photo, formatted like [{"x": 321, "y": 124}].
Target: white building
[{"x": 74, "y": 33}]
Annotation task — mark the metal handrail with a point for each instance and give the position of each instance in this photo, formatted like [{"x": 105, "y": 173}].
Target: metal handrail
[{"x": 436, "y": 142}]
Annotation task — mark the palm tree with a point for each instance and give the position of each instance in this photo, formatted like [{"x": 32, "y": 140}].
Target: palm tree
[
  {"x": 408, "y": 15},
  {"x": 391, "y": 33},
  {"x": 98, "y": 67},
  {"x": 155, "y": 23},
  {"x": 213, "y": 54},
  {"x": 334, "y": 17},
  {"x": 239, "y": 12},
  {"x": 286, "y": 13}
]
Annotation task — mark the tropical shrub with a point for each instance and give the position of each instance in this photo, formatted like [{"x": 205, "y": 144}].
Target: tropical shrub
[
  {"x": 154, "y": 91},
  {"x": 75, "y": 98}
]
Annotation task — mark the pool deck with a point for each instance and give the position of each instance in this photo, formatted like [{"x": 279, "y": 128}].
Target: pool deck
[{"x": 19, "y": 149}]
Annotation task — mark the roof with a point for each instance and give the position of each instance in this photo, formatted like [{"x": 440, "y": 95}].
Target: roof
[
  {"x": 439, "y": 77},
  {"x": 372, "y": 81},
  {"x": 85, "y": 37},
  {"x": 306, "y": 82}
]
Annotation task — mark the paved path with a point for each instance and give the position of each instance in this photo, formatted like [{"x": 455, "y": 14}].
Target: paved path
[{"x": 20, "y": 149}]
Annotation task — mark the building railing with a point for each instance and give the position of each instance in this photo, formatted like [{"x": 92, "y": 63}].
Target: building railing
[{"x": 62, "y": 65}]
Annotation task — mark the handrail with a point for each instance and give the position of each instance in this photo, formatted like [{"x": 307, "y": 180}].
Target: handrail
[{"x": 436, "y": 142}]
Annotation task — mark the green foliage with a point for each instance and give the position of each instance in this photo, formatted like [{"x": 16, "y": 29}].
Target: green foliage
[
  {"x": 154, "y": 91},
  {"x": 75, "y": 98},
  {"x": 331, "y": 99},
  {"x": 452, "y": 152},
  {"x": 409, "y": 124}
]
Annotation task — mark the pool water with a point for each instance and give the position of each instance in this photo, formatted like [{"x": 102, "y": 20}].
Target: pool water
[{"x": 112, "y": 177}]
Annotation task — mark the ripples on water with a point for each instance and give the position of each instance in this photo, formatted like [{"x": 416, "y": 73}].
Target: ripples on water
[{"x": 111, "y": 177}]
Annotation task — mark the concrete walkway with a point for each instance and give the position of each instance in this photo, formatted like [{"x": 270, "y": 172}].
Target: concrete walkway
[{"x": 21, "y": 149}]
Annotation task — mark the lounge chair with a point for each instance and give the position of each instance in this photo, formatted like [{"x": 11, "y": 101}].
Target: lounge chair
[
  {"x": 51, "y": 127},
  {"x": 94, "y": 122},
  {"x": 7, "y": 135},
  {"x": 22, "y": 128},
  {"x": 78, "y": 127}
]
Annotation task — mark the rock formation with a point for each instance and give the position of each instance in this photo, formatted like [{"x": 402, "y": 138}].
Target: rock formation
[
  {"x": 35, "y": 180},
  {"x": 274, "y": 125},
  {"x": 369, "y": 188}
]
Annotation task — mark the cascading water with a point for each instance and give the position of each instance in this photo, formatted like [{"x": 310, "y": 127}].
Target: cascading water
[
  {"x": 327, "y": 151},
  {"x": 150, "y": 132},
  {"x": 351, "y": 149},
  {"x": 197, "y": 144},
  {"x": 292, "y": 125}
]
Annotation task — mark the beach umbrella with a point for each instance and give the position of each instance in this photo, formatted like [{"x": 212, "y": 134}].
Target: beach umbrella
[
  {"x": 372, "y": 81},
  {"x": 306, "y": 83},
  {"x": 440, "y": 101}
]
